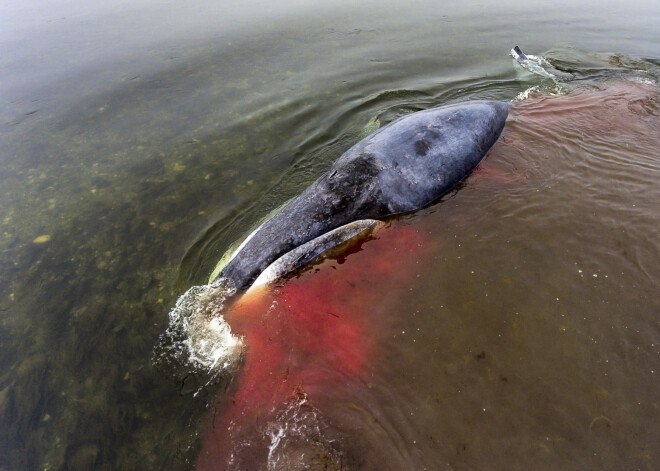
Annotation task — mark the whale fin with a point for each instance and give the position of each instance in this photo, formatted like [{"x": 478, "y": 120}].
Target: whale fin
[
  {"x": 323, "y": 245},
  {"x": 518, "y": 54}
]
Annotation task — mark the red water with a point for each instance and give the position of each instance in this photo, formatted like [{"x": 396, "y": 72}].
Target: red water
[{"x": 318, "y": 331}]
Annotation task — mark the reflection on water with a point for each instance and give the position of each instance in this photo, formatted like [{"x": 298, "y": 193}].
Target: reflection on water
[{"x": 139, "y": 141}]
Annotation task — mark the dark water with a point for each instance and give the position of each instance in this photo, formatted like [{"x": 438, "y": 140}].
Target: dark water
[{"x": 140, "y": 140}]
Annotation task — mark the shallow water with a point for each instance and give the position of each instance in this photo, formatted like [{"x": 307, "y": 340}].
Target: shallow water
[{"x": 140, "y": 140}]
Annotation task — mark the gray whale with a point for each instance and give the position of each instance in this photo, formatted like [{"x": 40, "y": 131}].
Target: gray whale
[{"x": 402, "y": 167}]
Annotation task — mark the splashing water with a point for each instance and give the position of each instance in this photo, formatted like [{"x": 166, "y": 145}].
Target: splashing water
[
  {"x": 198, "y": 340},
  {"x": 297, "y": 440},
  {"x": 539, "y": 66}
]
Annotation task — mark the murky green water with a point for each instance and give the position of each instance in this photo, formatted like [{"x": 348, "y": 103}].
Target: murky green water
[{"x": 138, "y": 141}]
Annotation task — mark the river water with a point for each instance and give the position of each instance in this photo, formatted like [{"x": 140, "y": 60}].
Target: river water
[{"x": 513, "y": 325}]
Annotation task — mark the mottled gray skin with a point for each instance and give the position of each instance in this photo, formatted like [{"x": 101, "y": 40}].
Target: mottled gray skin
[{"x": 402, "y": 167}]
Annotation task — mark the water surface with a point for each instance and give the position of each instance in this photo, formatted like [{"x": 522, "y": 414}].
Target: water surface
[{"x": 140, "y": 140}]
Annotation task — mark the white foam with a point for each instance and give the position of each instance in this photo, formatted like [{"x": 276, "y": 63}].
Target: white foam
[
  {"x": 198, "y": 338},
  {"x": 297, "y": 440},
  {"x": 537, "y": 65},
  {"x": 644, "y": 80}
]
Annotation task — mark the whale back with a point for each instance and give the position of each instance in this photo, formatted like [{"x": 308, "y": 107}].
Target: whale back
[
  {"x": 423, "y": 155},
  {"x": 402, "y": 167}
]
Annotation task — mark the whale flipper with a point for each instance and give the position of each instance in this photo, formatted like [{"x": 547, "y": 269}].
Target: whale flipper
[{"x": 518, "y": 54}]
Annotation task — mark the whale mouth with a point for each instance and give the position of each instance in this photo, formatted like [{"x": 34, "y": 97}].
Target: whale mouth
[{"x": 323, "y": 246}]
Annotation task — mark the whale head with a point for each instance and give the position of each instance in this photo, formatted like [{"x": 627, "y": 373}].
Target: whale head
[{"x": 403, "y": 167}]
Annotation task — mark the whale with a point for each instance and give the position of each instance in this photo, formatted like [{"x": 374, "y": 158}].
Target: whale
[{"x": 402, "y": 167}]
